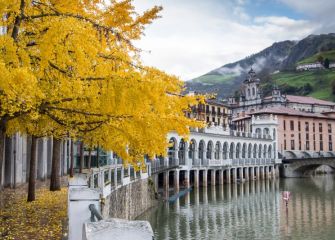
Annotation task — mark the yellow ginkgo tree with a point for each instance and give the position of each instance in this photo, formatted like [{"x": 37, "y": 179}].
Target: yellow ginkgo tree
[{"x": 70, "y": 69}]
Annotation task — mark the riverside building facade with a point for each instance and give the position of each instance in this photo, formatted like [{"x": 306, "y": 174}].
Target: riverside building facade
[{"x": 251, "y": 100}]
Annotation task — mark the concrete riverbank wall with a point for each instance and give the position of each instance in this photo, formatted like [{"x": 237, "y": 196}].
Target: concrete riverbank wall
[{"x": 130, "y": 201}]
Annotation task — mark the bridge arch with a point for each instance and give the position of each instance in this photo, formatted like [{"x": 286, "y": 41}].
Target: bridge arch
[{"x": 290, "y": 155}]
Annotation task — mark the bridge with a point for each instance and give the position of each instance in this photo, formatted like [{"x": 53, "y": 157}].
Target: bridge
[{"x": 307, "y": 164}]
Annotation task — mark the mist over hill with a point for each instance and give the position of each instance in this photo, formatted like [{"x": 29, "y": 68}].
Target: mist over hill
[{"x": 279, "y": 57}]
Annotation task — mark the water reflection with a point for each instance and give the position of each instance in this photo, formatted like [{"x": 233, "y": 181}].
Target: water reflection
[{"x": 251, "y": 210}]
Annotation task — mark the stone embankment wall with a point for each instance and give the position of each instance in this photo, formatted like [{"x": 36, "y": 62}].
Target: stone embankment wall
[{"x": 130, "y": 201}]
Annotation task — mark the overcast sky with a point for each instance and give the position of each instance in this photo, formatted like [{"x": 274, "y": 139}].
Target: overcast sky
[{"x": 196, "y": 36}]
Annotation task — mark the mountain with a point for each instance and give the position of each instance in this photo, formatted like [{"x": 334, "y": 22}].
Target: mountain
[{"x": 280, "y": 57}]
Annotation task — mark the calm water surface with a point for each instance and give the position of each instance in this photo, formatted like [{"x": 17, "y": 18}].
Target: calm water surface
[{"x": 252, "y": 210}]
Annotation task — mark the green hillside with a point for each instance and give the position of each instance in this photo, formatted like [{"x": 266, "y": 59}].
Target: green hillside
[
  {"x": 214, "y": 79},
  {"x": 317, "y": 84},
  {"x": 328, "y": 54}
]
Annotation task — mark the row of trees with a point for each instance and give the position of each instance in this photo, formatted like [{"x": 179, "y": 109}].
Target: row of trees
[{"x": 69, "y": 69}]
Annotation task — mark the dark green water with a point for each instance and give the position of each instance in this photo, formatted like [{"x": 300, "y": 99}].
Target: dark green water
[{"x": 252, "y": 210}]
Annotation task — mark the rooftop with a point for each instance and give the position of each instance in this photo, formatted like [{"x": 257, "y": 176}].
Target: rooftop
[
  {"x": 291, "y": 112},
  {"x": 308, "y": 100}
]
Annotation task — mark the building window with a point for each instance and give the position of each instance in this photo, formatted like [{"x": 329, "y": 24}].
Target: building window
[
  {"x": 314, "y": 145},
  {"x": 284, "y": 144},
  {"x": 284, "y": 125},
  {"x": 207, "y": 109},
  {"x": 321, "y": 146},
  {"x": 329, "y": 128},
  {"x": 219, "y": 111},
  {"x": 307, "y": 145},
  {"x": 320, "y": 137},
  {"x": 299, "y": 145},
  {"x": 292, "y": 144},
  {"x": 213, "y": 110},
  {"x": 320, "y": 127},
  {"x": 207, "y": 119},
  {"x": 313, "y": 127},
  {"x": 306, "y": 127},
  {"x": 291, "y": 125},
  {"x": 330, "y": 146},
  {"x": 299, "y": 126},
  {"x": 307, "y": 136},
  {"x": 299, "y": 136}
]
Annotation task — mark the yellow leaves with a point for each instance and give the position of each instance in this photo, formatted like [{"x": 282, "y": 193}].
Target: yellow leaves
[{"x": 41, "y": 219}]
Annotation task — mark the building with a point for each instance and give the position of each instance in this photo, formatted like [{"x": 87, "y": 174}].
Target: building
[
  {"x": 251, "y": 100},
  {"x": 310, "y": 66},
  {"x": 299, "y": 134},
  {"x": 213, "y": 112}
]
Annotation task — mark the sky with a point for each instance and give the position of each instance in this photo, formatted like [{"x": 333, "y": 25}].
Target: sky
[{"x": 194, "y": 37}]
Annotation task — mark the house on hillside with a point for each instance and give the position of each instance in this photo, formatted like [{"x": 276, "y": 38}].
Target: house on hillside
[{"x": 310, "y": 66}]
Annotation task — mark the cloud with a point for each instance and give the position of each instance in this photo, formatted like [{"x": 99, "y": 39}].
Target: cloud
[
  {"x": 194, "y": 37},
  {"x": 321, "y": 11}
]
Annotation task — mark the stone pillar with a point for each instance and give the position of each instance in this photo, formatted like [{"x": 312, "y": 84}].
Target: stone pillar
[
  {"x": 187, "y": 178},
  {"x": 213, "y": 177},
  {"x": 277, "y": 170},
  {"x": 267, "y": 172},
  {"x": 241, "y": 174},
  {"x": 204, "y": 178},
  {"x": 176, "y": 181},
  {"x": 257, "y": 173},
  {"x": 196, "y": 178},
  {"x": 234, "y": 175},
  {"x": 228, "y": 175},
  {"x": 166, "y": 184},
  {"x": 246, "y": 173},
  {"x": 262, "y": 172},
  {"x": 252, "y": 173},
  {"x": 221, "y": 177}
]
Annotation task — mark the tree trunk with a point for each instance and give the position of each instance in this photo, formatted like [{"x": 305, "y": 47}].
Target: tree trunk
[
  {"x": 81, "y": 157},
  {"x": 32, "y": 170},
  {"x": 71, "y": 159},
  {"x": 89, "y": 158},
  {"x": 55, "y": 166},
  {"x": 2, "y": 153}
]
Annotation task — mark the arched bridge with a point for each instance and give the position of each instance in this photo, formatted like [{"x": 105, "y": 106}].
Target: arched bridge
[{"x": 304, "y": 167}]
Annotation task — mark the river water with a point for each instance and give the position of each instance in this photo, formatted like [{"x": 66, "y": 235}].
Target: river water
[{"x": 250, "y": 210}]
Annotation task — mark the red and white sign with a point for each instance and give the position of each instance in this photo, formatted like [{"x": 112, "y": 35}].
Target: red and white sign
[{"x": 286, "y": 195}]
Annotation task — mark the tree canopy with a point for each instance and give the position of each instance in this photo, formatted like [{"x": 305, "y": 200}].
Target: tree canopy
[{"x": 70, "y": 69}]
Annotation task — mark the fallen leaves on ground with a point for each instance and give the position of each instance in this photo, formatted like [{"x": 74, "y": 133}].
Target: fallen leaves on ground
[{"x": 41, "y": 219}]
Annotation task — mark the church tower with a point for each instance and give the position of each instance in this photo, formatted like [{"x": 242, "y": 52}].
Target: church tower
[{"x": 250, "y": 88}]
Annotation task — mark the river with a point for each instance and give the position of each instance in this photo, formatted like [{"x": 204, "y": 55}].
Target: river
[{"x": 250, "y": 210}]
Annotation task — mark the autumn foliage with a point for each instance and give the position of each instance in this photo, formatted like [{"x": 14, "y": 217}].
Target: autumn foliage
[{"x": 69, "y": 69}]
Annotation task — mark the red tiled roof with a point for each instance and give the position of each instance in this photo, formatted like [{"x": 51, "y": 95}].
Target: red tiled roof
[
  {"x": 308, "y": 100},
  {"x": 291, "y": 111}
]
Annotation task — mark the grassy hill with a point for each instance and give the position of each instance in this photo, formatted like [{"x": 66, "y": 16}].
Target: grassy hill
[
  {"x": 328, "y": 54},
  {"x": 317, "y": 84},
  {"x": 214, "y": 78}
]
